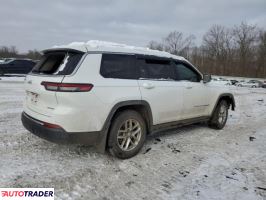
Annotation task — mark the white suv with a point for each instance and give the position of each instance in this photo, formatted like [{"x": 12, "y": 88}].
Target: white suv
[{"x": 112, "y": 96}]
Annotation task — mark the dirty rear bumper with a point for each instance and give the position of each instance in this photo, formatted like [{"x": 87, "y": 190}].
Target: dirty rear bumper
[{"x": 59, "y": 135}]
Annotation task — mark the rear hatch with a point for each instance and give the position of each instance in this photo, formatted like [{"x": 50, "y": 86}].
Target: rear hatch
[{"x": 52, "y": 68}]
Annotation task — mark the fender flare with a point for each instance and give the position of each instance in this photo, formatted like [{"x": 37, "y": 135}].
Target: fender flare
[
  {"x": 104, "y": 132},
  {"x": 232, "y": 101}
]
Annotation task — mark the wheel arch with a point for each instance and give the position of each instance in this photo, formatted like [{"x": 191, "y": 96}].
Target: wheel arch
[
  {"x": 140, "y": 106},
  {"x": 228, "y": 97}
]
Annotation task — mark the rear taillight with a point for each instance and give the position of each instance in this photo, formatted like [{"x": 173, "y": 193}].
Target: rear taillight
[
  {"x": 54, "y": 126},
  {"x": 67, "y": 87}
]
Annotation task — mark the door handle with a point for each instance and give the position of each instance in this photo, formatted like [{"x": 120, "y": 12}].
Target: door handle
[
  {"x": 148, "y": 85},
  {"x": 190, "y": 87}
]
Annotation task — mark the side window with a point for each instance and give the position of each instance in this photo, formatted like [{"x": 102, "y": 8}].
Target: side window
[
  {"x": 184, "y": 72},
  {"x": 15, "y": 62},
  {"x": 18, "y": 63},
  {"x": 156, "y": 69},
  {"x": 70, "y": 63},
  {"x": 118, "y": 66}
]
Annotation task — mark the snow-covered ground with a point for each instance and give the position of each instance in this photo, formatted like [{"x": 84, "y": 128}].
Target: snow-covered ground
[
  {"x": 9, "y": 78},
  {"x": 239, "y": 78},
  {"x": 193, "y": 162}
]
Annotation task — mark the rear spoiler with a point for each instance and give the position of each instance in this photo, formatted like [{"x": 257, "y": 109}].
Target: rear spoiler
[{"x": 62, "y": 49}]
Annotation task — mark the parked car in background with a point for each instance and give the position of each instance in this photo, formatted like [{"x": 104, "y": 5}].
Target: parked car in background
[
  {"x": 250, "y": 83},
  {"x": 9, "y": 59},
  {"x": 234, "y": 82},
  {"x": 222, "y": 81},
  {"x": 260, "y": 83},
  {"x": 6, "y": 59},
  {"x": 264, "y": 84},
  {"x": 16, "y": 66}
]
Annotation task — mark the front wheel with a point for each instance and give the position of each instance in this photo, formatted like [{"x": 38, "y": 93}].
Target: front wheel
[
  {"x": 127, "y": 134},
  {"x": 220, "y": 115}
]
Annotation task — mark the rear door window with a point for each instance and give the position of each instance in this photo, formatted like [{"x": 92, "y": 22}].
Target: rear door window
[
  {"x": 118, "y": 66},
  {"x": 58, "y": 63},
  {"x": 159, "y": 69}
]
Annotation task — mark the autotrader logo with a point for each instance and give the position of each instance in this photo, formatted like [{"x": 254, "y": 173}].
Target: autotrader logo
[{"x": 27, "y": 193}]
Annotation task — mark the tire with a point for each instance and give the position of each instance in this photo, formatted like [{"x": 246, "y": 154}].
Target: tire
[
  {"x": 121, "y": 142},
  {"x": 220, "y": 115},
  {"x": 253, "y": 86}
]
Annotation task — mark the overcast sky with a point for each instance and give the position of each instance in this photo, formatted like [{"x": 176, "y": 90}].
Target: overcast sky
[{"x": 33, "y": 24}]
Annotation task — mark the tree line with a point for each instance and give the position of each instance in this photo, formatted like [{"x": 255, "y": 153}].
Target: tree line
[
  {"x": 235, "y": 51},
  {"x": 12, "y": 52}
]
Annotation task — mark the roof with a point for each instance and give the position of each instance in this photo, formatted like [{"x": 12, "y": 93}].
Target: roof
[{"x": 103, "y": 46}]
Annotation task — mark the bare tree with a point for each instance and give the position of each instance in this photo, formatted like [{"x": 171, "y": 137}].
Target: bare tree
[
  {"x": 245, "y": 37},
  {"x": 198, "y": 58},
  {"x": 33, "y": 54},
  {"x": 261, "y": 54},
  {"x": 155, "y": 45},
  {"x": 175, "y": 43},
  {"x": 237, "y": 51},
  {"x": 6, "y": 52},
  {"x": 217, "y": 43},
  {"x": 12, "y": 52}
]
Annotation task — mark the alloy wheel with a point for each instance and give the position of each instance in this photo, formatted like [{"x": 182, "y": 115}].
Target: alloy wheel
[
  {"x": 129, "y": 135},
  {"x": 222, "y": 115}
]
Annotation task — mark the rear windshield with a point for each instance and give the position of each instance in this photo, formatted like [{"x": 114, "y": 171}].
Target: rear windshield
[{"x": 57, "y": 63}]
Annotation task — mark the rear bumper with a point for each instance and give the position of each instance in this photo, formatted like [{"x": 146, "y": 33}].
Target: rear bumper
[{"x": 59, "y": 135}]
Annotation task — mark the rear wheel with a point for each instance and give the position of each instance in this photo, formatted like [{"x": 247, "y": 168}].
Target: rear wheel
[
  {"x": 127, "y": 134},
  {"x": 219, "y": 117}
]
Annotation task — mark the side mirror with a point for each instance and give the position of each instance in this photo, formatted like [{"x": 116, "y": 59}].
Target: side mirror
[{"x": 207, "y": 78}]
